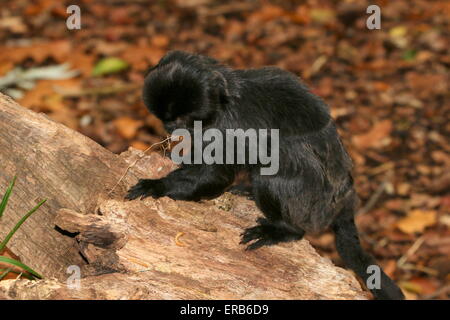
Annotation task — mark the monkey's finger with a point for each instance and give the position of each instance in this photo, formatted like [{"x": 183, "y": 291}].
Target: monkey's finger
[
  {"x": 246, "y": 239},
  {"x": 145, "y": 195},
  {"x": 134, "y": 192},
  {"x": 131, "y": 195},
  {"x": 257, "y": 244},
  {"x": 261, "y": 242}
]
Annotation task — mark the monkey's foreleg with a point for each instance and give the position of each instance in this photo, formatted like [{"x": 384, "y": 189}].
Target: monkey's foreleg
[{"x": 190, "y": 182}]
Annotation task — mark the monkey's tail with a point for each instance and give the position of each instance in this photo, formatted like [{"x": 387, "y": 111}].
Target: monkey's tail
[{"x": 355, "y": 258}]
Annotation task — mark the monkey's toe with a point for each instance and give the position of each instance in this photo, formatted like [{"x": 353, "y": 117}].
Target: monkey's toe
[
  {"x": 251, "y": 234},
  {"x": 269, "y": 233},
  {"x": 261, "y": 243}
]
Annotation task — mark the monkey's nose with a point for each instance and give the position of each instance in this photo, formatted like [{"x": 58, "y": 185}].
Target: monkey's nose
[{"x": 170, "y": 126}]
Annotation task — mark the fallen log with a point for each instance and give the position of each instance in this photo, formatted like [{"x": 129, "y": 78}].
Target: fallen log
[{"x": 150, "y": 249}]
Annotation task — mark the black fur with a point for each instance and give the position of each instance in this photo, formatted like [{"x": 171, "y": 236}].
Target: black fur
[{"x": 313, "y": 189}]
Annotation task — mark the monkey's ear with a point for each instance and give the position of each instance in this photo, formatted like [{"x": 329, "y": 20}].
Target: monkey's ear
[
  {"x": 220, "y": 85},
  {"x": 147, "y": 72}
]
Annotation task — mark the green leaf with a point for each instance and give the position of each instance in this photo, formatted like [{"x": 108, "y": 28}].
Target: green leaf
[
  {"x": 17, "y": 226},
  {"x": 409, "y": 55},
  {"x": 20, "y": 265},
  {"x": 6, "y": 196},
  {"x": 11, "y": 270},
  {"x": 109, "y": 65},
  {"x": 2, "y": 275}
]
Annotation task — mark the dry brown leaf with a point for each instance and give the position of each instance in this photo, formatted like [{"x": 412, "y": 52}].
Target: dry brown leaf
[
  {"x": 403, "y": 188},
  {"x": 425, "y": 285},
  {"x": 395, "y": 204},
  {"x": 13, "y": 24},
  {"x": 139, "y": 145},
  {"x": 377, "y": 137},
  {"x": 39, "y": 6},
  {"x": 35, "y": 99},
  {"x": 66, "y": 116},
  {"x": 390, "y": 267},
  {"x": 445, "y": 220},
  {"x": 424, "y": 200},
  {"x": 59, "y": 50},
  {"x": 417, "y": 221},
  {"x": 425, "y": 84},
  {"x": 301, "y": 15},
  {"x": 141, "y": 57},
  {"x": 127, "y": 127},
  {"x": 5, "y": 67},
  {"x": 441, "y": 157},
  {"x": 267, "y": 13},
  {"x": 82, "y": 62},
  {"x": 160, "y": 41},
  {"x": 11, "y": 275},
  {"x": 441, "y": 183}
]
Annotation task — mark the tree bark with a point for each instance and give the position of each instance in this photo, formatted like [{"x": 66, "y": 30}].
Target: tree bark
[{"x": 150, "y": 249}]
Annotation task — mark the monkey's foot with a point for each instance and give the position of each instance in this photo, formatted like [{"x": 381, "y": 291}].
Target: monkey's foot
[
  {"x": 269, "y": 233},
  {"x": 146, "y": 188}
]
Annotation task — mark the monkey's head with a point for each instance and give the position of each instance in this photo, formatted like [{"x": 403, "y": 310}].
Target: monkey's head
[{"x": 183, "y": 88}]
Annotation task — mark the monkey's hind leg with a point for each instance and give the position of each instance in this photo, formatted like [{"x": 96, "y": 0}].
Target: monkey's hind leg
[
  {"x": 271, "y": 229},
  {"x": 355, "y": 258}
]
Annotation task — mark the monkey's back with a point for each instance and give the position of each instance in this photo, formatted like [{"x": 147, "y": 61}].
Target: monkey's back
[{"x": 276, "y": 98}]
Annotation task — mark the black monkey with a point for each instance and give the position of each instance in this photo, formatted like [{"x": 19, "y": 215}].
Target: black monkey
[{"x": 313, "y": 189}]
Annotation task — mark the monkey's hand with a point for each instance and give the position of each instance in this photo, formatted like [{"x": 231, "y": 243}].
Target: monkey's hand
[{"x": 146, "y": 188}]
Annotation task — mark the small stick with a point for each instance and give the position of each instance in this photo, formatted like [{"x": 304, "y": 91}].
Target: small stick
[
  {"x": 376, "y": 195},
  {"x": 139, "y": 158},
  {"x": 429, "y": 271},
  {"x": 416, "y": 245}
]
